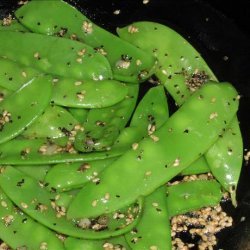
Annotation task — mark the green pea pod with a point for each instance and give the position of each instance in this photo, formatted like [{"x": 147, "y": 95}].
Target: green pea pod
[
  {"x": 178, "y": 60},
  {"x": 192, "y": 195},
  {"x": 35, "y": 200},
  {"x": 23, "y": 107},
  {"x": 79, "y": 114},
  {"x": 182, "y": 71},
  {"x": 112, "y": 243},
  {"x": 4, "y": 93},
  {"x": 128, "y": 63},
  {"x": 14, "y": 25},
  {"x": 88, "y": 94},
  {"x": 199, "y": 166},
  {"x": 151, "y": 112},
  {"x": 225, "y": 158},
  {"x": 69, "y": 58},
  {"x": 67, "y": 176},
  {"x": 104, "y": 125},
  {"x": 186, "y": 135},
  {"x": 43, "y": 151},
  {"x": 153, "y": 230},
  {"x": 55, "y": 122},
  {"x": 36, "y": 172},
  {"x": 14, "y": 75},
  {"x": 20, "y": 231}
]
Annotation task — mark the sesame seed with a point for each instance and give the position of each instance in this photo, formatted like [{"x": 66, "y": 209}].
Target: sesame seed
[
  {"x": 132, "y": 29},
  {"x": 176, "y": 162},
  {"x": 77, "y": 83},
  {"x": 146, "y": 2},
  {"x": 94, "y": 203},
  {"x": 213, "y": 115},
  {"x": 154, "y": 138},
  {"x": 117, "y": 12},
  {"x": 153, "y": 248},
  {"x": 135, "y": 146},
  {"x": 79, "y": 60},
  {"x": 24, "y": 205},
  {"x": 24, "y": 74},
  {"x": 4, "y": 204}
]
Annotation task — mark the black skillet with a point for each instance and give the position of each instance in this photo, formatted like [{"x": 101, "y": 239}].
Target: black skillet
[{"x": 222, "y": 35}]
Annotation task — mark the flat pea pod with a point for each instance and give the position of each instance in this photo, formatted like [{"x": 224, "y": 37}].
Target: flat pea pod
[
  {"x": 23, "y": 107},
  {"x": 88, "y": 94},
  {"x": 66, "y": 176},
  {"x": 178, "y": 60},
  {"x": 69, "y": 58},
  {"x": 79, "y": 114},
  {"x": 192, "y": 195},
  {"x": 153, "y": 230},
  {"x": 55, "y": 122},
  {"x": 35, "y": 200},
  {"x": 4, "y": 93},
  {"x": 150, "y": 114},
  {"x": 42, "y": 151},
  {"x": 79, "y": 244},
  {"x": 200, "y": 166},
  {"x": 225, "y": 158},
  {"x": 183, "y": 138},
  {"x": 129, "y": 63},
  {"x": 104, "y": 125},
  {"x": 14, "y": 75},
  {"x": 20, "y": 231},
  {"x": 36, "y": 172},
  {"x": 14, "y": 25}
]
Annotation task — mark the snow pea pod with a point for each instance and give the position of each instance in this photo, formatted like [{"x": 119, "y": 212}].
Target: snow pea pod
[
  {"x": 88, "y": 94},
  {"x": 23, "y": 107},
  {"x": 225, "y": 158},
  {"x": 118, "y": 243},
  {"x": 33, "y": 198},
  {"x": 14, "y": 25},
  {"x": 178, "y": 60},
  {"x": 183, "y": 138},
  {"x": 79, "y": 114},
  {"x": 55, "y": 122},
  {"x": 69, "y": 58},
  {"x": 20, "y": 231},
  {"x": 153, "y": 230},
  {"x": 199, "y": 166},
  {"x": 129, "y": 64},
  {"x": 192, "y": 195},
  {"x": 104, "y": 125},
  {"x": 14, "y": 75},
  {"x": 42, "y": 151},
  {"x": 66, "y": 176},
  {"x": 36, "y": 172}
]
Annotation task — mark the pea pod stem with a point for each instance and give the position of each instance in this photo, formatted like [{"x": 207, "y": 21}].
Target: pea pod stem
[{"x": 193, "y": 129}]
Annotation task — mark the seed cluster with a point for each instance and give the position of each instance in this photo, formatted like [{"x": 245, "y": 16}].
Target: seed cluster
[{"x": 5, "y": 117}]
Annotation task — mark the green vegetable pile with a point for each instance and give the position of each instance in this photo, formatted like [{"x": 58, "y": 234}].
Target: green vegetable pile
[{"x": 84, "y": 161}]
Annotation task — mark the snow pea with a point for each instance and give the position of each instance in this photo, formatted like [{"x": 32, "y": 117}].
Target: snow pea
[
  {"x": 225, "y": 158},
  {"x": 55, "y": 122},
  {"x": 104, "y": 125},
  {"x": 129, "y": 64},
  {"x": 20, "y": 231},
  {"x": 34, "y": 199},
  {"x": 182, "y": 71},
  {"x": 13, "y": 26},
  {"x": 79, "y": 114},
  {"x": 36, "y": 172},
  {"x": 183, "y": 138},
  {"x": 199, "y": 166},
  {"x": 118, "y": 243},
  {"x": 69, "y": 58},
  {"x": 192, "y": 195},
  {"x": 43, "y": 151},
  {"x": 14, "y": 75},
  {"x": 88, "y": 94},
  {"x": 66, "y": 176},
  {"x": 178, "y": 60},
  {"x": 23, "y": 107},
  {"x": 153, "y": 230},
  {"x": 151, "y": 112}
]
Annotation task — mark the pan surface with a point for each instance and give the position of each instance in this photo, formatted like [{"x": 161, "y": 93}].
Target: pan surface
[{"x": 222, "y": 35}]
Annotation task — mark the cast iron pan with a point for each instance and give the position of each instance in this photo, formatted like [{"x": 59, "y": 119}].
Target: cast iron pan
[{"x": 224, "y": 45}]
